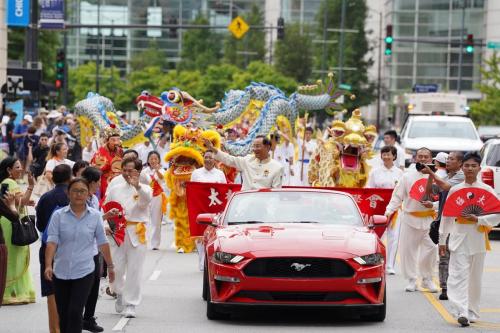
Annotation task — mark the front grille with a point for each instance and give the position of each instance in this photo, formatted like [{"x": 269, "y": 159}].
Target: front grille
[
  {"x": 297, "y": 296},
  {"x": 298, "y": 268}
]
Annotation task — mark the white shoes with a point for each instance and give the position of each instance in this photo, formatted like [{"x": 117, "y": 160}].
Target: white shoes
[
  {"x": 412, "y": 285},
  {"x": 130, "y": 311},
  {"x": 429, "y": 285},
  {"x": 119, "y": 307},
  {"x": 390, "y": 271}
]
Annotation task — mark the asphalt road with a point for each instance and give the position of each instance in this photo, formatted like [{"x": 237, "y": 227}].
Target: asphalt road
[{"x": 172, "y": 303}]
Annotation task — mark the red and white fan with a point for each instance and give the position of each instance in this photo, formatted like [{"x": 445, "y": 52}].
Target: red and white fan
[
  {"x": 472, "y": 200},
  {"x": 417, "y": 191},
  {"x": 117, "y": 223}
]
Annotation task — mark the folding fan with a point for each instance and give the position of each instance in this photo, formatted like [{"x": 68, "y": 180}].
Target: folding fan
[
  {"x": 117, "y": 223},
  {"x": 471, "y": 200},
  {"x": 417, "y": 191}
]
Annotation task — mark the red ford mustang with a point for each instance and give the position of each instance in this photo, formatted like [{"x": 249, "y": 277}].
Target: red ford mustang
[{"x": 293, "y": 247}]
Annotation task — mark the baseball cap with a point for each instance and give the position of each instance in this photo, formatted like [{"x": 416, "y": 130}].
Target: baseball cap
[
  {"x": 441, "y": 157},
  {"x": 28, "y": 118}
]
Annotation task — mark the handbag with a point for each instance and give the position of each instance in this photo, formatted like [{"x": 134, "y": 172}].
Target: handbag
[
  {"x": 434, "y": 231},
  {"x": 24, "y": 231}
]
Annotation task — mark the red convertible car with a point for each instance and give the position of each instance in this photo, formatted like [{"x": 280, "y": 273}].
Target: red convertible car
[{"x": 293, "y": 247}]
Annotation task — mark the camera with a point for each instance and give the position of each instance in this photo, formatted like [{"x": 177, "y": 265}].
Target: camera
[{"x": 420, "y": 166}]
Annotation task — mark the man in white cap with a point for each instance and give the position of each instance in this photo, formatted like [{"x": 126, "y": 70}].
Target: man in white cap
[
  {"x": 440, "y": 163},
  {"x": 21, "y": 130}
]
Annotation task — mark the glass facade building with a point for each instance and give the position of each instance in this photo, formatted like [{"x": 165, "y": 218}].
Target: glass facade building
[{"x": 430, "y": 53}]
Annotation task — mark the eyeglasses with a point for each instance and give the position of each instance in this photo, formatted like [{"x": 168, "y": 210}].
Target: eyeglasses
[{"x": 80, "y": 192}]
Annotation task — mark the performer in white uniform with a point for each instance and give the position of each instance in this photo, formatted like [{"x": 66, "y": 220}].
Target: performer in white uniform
[
  {"x": 208, "y": 173},
  {"x": 135, "y": 198},
  {"x": 415, "y": 246},
  {"x": 156, "y": 175},
  {"x": 468, "y": 244},
  {"x": 387, "y": 176},
  {"x": 283, "y": 152},
  {"x": 306, "y": 150},
  {"x": 258, "y": 170}
]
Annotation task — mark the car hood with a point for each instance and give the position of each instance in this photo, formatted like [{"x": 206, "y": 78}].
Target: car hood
[
  {"x": 444, "y": 144},
  {"x": 296, "y": 239}
]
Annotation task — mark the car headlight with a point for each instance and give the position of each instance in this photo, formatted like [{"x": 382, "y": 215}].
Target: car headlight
[
  {"x": 227, "y": 258},
  {"x": 370, "y": 259}
]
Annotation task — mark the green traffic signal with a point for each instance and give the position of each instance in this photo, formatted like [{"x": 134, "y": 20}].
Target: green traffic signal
[
  {"x": 388, "y": 51},
  {"x": 469, "y": 49},
  {"x": 388, "y": 39},
  {"x": 60, "y": 64}
]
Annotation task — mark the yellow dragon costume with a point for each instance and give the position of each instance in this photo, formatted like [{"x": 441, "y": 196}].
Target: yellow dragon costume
[
  {"x": 340, "y": 161},
  {"x": 185, "y": 155}
]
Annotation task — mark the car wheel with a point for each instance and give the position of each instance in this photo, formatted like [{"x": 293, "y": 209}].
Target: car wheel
[
  {"x": 212, "y": 311},
  {"x": 205, "y": 282},
  {"x": 380, "y": 314}
]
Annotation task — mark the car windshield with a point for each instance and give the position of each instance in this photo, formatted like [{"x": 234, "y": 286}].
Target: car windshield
[
  {"x": 293, "y": 207},
  {"x": 441, "y": 129},
  {"x": 493, "y": 156}
]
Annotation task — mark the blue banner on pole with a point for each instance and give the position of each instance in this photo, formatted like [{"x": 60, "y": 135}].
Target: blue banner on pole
[
  {"x": 52, "y": 14},
  {"x": 18, "y": 13},
  {"x": 425, "y": 88}
]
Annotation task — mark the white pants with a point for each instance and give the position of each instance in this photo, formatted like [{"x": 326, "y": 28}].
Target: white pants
[
  {"x": 129, "y": 262},
  {"x": 201, "y": 254},
  {"x": 295, "y": 180},
  {"x": 416, "y": 249},
  {"x": 392, "y": 235},
  {"x": 465, "y": 281},
  {"x": 154, "y": 227}
]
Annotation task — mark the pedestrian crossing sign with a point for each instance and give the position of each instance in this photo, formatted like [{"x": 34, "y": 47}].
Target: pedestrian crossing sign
[{"x": 238, "y": 27}]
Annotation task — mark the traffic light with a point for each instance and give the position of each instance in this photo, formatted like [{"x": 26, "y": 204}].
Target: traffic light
[
  {"x": 281, "y": 28},
  {"x": 469, "y": 43},
  {"x": 172, "y": 32},
  {"x": 388, "y": 39},
  {"x": 60, "y": 68}
]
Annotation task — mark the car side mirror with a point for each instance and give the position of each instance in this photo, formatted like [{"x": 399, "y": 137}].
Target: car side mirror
[{"x": 206, "y": 219}]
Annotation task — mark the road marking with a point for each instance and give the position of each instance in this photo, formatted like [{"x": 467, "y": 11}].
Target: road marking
[
  {"x": 490, "y": 310},
  {"x": 155, "y": 276},
  {"x": 121, "y": 324}
]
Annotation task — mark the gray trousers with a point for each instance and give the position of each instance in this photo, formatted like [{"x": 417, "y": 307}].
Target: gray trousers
[{"x": 444, "y": 261}]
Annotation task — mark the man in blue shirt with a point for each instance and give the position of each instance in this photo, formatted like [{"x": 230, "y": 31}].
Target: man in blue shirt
[
  {"x": 21, "y": 130},
  {"x": 48, "y": 203}
]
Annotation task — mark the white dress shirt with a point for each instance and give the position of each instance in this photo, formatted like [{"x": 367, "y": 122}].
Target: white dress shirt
[
  {"x": 203, "y": 175},
  {"x": 119, "y": 180},
  {"x": 468, "y": 233},
  {"x": 256, "y": 173},
  {"x": 135, "y": 205},
  {"x": 309, "y": 149},
  {"x": 381, "y": 177}
]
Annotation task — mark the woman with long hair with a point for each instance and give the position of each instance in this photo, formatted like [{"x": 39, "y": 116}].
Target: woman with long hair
[
  {"x": 9, "y": 211},
  {"x": 57, "y": 155},
  {"x": 73, "y": 232},
  {"x": 19, "y": 287},
  {"x": 155, "y": 174}
]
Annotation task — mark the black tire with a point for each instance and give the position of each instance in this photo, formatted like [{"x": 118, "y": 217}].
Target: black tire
[
  {"x": 212, "y": 311},
  {"x": 381, "y": 311},
  {"x": 205, "y": 282}
]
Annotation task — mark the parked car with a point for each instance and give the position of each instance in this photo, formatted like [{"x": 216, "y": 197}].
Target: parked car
[
  {"x": 490, "y": 167},
  {"x": 488, "y": 132},
  {"x": 292, "y": 248}
]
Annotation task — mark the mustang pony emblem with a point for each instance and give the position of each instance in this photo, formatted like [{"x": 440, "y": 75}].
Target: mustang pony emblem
[{"x": 299, "y": 267}]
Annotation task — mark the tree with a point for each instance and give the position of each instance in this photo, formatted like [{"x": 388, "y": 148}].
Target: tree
[
  {"x": 258, "y": 71},
  {"x": 354, "y": 50},
  {"x": 485, "y": 112},
  {"x": 151, "y": 57},
  {"x": 293, "y": 55},
  {"x": 253, "y": 41},
  {"x": 200, "y": 48}
]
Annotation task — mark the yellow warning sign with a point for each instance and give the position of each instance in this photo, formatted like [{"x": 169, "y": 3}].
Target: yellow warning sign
[{"x": 238, "y": 27}]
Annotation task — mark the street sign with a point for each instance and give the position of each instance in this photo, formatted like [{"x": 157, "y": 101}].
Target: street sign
[
  {"x": 52, "y": 14},
  {"x": 345, "y": 86},
  {"x": 493, "y": 45},
  {"x": 425, "y": 88},
  {"x": 238, "y": 27}
]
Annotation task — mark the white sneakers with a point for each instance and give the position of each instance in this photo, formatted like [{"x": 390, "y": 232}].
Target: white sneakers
[
  {"x": 429, "y": 285},
  {"x": 412, "y": 285},
  {"x": 390, "y": 271},
  {"x": 130, "y": 311},
  {"x": 119, "y": 307}
]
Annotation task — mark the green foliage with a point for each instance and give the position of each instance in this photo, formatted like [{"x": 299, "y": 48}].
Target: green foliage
[
  {"x": 152, "y": 56},
  {"x": 293, "y": 55},
  {"x": 200, "y": 47},
  {"x": 253, "y": 41},
  {"x": 485, "y": 112},
  {"x": 258, "y": 71},
  {"x": 355, "y": 47}
]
